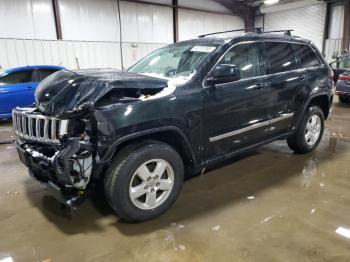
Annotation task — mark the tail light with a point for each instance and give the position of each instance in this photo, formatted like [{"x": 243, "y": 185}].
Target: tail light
[{"x": 344, "y": 77}]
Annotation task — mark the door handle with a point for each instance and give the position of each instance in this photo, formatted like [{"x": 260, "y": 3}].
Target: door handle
[
  {"x": 302, "y": 77},
  {"x": 29, "y": 87},
  {"x": 259, "y": 86}
]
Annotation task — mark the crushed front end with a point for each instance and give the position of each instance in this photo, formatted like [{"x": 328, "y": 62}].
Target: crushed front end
[
  {"x": 57, "y": 152},
  {"x": 60, "y": 139}
]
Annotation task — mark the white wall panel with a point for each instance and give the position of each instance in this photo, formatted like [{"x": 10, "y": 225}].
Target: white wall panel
[
  {"x": 20, "y": 52},
  {"x": 146, "y": 23},
  {"x": 194, "y": 23},
  {"x": 336, "y": 22},
  {"x": 27, "y": 19},
  {"x": 335, "y": 33},
  {"x": 332, "y": 45},
  {"x": 307, "y": 22},
  {"x": 209, "y": 5},
  {"x": 89, "y": 20}
]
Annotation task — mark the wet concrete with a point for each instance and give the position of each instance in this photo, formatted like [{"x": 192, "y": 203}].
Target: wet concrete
[{"x": 270, "y": 205}]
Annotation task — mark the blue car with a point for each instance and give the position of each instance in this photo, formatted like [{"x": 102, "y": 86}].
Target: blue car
[{"x": 17, "y": 86}]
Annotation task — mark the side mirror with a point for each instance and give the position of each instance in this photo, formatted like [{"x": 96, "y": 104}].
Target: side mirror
[{"x": 224, "y": 73}]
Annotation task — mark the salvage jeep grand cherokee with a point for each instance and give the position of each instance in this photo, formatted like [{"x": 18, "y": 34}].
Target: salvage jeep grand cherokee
[{"x": 183, "y": 107}]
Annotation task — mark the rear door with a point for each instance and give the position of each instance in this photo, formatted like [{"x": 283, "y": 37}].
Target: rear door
[
  {"x": 284, "y": 80},
  {"x": 16, "y": 89},
  {"x": 235, "y": 114},
  {"x": 316, "y": 74}
]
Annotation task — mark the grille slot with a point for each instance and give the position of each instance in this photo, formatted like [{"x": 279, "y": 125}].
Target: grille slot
[{"x": 37, "y": 127}]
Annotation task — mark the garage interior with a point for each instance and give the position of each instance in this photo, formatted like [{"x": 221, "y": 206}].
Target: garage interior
[{"x": 267, "y": 205}]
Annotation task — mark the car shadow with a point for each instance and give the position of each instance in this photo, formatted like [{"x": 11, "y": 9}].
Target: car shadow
[{"x": 202, "y": 194}]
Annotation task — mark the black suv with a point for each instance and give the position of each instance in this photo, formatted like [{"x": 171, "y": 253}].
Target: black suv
[{"x": 179, "y": 110}]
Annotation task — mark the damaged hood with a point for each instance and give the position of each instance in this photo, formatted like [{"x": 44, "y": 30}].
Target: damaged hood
[{"x": 73, "y": 92}]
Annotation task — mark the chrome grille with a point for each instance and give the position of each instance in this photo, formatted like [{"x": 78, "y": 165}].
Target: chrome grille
[{"x": 33, "y": 126}]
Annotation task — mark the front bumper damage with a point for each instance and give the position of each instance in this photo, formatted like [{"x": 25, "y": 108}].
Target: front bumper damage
[
  {"x": 63, "y": 161},
  {"x": 58, "y": 171}
]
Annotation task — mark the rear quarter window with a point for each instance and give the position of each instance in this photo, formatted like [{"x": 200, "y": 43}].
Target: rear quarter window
[
  {"x": 280, "y": 57},
  {"x": 306, "y": 55}
]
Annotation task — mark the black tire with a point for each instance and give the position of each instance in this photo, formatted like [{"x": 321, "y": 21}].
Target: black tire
[
  {"x": 344, "y": 99},
  {"x": 297, "y": 141},
  {"x": 120, "y": 173}
]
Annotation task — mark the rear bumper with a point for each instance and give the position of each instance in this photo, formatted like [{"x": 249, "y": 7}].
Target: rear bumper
[
  {"x": 342, "y": 89},
  {"x": 342, "y": 93}
]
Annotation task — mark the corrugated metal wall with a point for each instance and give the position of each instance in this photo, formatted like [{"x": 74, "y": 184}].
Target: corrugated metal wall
[
  {"x": 31, "y": 19},
  {"x": 194, "y": 23},
  {"x": 335, "y": 34},
  {"x": 19, "y": 52},
  {"x": 90, "y": 30},
  {"x": 307, "y": 22}
]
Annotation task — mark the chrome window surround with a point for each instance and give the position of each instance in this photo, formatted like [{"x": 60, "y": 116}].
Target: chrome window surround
[
  {"x": 252, "y": 127},
  {"x": 298, "y": 70},
  {"x": 33, "y": 126}
]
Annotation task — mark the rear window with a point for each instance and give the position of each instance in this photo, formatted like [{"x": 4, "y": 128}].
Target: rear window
[
  {"x": 306, "y": 55},
  {"x": 280, "y": 57}
]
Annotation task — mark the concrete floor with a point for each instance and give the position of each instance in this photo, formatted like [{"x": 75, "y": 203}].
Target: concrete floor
[{"x": 270, "y": 205}]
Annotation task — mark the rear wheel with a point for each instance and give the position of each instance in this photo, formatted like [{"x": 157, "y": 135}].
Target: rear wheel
[
  {"x": 309, "y": 133},
  {"x": 144, "y": 182},
  {"x": 344, "y": 99}
]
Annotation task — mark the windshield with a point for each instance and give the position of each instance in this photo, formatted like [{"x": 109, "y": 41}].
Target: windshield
[{"x": 172, "y": 62}]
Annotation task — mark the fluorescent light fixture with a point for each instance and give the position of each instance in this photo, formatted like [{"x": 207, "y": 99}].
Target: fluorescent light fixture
[{"x": 271, "y": 2}]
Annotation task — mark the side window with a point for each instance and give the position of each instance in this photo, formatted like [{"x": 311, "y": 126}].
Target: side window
[
  {"x": 45, "y": 72},
  {"x": 306, "y": 55},
  {"x": 246, "y": 57},
  {"x": 280, "y": 57},
  {"x": 18, "y": 77}
]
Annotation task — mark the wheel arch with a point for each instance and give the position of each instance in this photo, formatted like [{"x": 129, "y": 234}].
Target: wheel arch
[
  {"x": 322, "y": 100},
  {"x": 170, "y": 135}
]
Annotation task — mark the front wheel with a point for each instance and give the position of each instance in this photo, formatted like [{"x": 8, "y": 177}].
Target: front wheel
[
  {"x": 144, "y": 181},
  {"x": 310, "y": 131}
]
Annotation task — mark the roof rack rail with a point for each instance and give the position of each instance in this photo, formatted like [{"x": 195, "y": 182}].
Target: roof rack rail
[
  {"x": 257, "y": 29},
  {"x": 286, "y": 32}
]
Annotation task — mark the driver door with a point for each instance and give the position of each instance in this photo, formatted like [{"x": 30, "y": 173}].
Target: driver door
[{"x": 235, "y": 113}]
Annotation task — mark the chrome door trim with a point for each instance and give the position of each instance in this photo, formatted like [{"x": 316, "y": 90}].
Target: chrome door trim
[
  {"x": 239, "y": 131},
  {"x": 282, "y": 117},
  {"x": 251, "y": 127}
]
